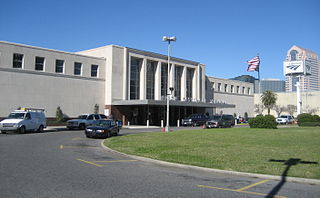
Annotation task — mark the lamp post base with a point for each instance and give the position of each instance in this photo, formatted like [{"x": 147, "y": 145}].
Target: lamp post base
[{"x": 167, "y": 128}]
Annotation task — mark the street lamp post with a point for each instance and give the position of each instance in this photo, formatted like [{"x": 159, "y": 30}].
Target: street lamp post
[{"x": 168, "y": 39}]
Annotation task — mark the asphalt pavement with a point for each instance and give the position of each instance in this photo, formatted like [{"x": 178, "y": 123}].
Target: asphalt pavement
[{"x": 61, "y": 163}]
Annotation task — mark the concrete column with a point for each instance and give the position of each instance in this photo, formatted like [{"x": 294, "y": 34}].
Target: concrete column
[
  {"x": 184, "y": 84},
  {"x": 128, "y": 78},
  {"x": 195, "y": 84},
  {"x": 125, "y": 74},
  {"x": 143, "y": 80},
  {"x": 157, "y": 89}
]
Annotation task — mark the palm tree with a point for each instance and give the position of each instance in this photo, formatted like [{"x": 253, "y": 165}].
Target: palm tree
[{"x": 268, "y": 99}]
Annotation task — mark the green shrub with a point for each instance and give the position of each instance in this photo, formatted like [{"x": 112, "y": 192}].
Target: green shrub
[
  {"x": 311, "y": 124},
  {"x": 59, "y": 114},
  {"x": 306, "y": 119},
  {"x": 260, "y": 121}
]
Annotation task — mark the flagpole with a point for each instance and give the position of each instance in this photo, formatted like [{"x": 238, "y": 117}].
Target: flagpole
[
  {"x": 259, "y": 81},
  {"x": 259, "y": 74}
]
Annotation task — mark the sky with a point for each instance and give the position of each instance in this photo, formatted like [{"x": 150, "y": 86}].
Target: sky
[{"x": 222, "y": 34}]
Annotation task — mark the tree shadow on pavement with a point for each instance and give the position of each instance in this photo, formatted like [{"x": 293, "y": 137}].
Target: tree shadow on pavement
[{"x": 290, "y": 162}]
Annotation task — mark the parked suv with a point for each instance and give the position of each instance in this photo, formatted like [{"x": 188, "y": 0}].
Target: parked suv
[
  {"x": 26, "y": 119},
  {"x": 219, "y": 121},
  {"x": 195, "y": 120},
  {"x": 84, "y": 120},
  {"x": 285, "y": 119}
]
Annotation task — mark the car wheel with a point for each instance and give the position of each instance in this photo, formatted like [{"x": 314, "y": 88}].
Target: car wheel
[
  {"x": 108, "y": 134},
  {"x": 22, "y": 130},
  {"x": 40, "y": 129},
  {"x": 117, "y": 133},
  {"x": 82, "y": 126}
]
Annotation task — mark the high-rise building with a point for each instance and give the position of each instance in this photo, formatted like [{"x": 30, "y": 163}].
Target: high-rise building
[
  {"x": 304, "y": 64},
  {"x": 274, "y": 85}
]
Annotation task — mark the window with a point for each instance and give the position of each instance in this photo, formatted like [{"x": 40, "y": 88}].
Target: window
[
  {"x": 164, "y": 79},
  {"x": 17, "y": 60},
  {"x": 243, "y": 90},
  {"x": 225, "y": 88},
  {"x": 39, "y": 65},
  {"x": 248, "y": 90},
  {"x": 238, "y": 89},
  {"x": 59, "y": 66},
  {"x": 190, "y": 75},
  {"x": 177, "y": 78},
  {"x": 293, "y": 55},
  {"x": 151, "y": 73},
  {"x": 135, "y": 67},
  {"x": 94, "y": 70},
  {"x": 219, "y": 86},
  {"x": 232, "y": 89},
  {"x": 77, "y": 68}
]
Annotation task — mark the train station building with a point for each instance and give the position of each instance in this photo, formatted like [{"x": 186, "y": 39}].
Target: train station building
[{"x": 128, "y": 83}]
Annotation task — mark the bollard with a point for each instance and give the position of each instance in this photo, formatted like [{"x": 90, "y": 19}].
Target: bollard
[
  {"x": 147, "y": 123},
  {"x": 178, "y": 123},
  {"x": 161, "y": 123},
  {"x": 128, "y": 123}
]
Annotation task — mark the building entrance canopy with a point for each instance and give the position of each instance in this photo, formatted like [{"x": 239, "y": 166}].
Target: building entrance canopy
[{"x": 172, "y": 103}]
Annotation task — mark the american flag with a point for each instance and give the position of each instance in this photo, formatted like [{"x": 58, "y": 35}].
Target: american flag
[{"x": 253, "y": 64}]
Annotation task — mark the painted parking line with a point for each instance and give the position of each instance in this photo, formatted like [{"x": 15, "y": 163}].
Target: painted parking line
[
  {"x": 63, "y": 146},
  {"x": 95, "y": 163},
  {"x": 88, "y": 162},
  {"x": 113, "y": 161},
  {"x": 243, "y": 190},
  {"x": 252, "y": 185}
]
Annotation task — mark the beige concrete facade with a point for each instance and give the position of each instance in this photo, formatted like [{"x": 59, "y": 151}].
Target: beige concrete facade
[
  {"x": 26, "y": 87},
  {"x": 234, "y": 92},
  {"x": 310, "y": 101},
  {"x": 22, "y": 85}
]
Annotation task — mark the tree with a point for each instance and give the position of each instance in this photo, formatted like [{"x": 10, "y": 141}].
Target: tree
[
  {"x": 291, "y": 109},
  {"x": 268, "y": 99},
  {"x": 279, "y": 109},
  {"x": 311, "y": 110},
  {"x": 96, "y": 109},
  {"x": 258, "y": 109},
  {"x": 246, "y": 116},
  {"x": 59, "y": 114}
]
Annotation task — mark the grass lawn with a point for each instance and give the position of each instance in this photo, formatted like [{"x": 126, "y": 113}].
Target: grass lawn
[{"x": 237, "y": 149}]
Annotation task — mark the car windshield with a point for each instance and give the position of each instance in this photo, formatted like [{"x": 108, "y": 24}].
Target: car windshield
[
  {"x": 215, "y": 117},
  {"x": 16, "y": 115},
  {"x": 192, "y": 116},
  {"x": 284, "y": 116},
  {"x": 103, "y": 123},
  {"x": 82, "y": 116}
]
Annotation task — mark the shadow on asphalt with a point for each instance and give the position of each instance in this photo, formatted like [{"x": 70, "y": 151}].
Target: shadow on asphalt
[{"x": 289, "y": 163}]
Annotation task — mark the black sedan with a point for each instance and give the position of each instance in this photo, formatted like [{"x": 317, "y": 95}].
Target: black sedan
[{"x": 102, "y": 129}]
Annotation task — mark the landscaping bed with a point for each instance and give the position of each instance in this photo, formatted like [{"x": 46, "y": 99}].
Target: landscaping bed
[{"x": 265, "y": 151}]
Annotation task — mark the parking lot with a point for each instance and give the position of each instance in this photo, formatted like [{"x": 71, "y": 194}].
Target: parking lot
[{"x": 64, "y": 163}]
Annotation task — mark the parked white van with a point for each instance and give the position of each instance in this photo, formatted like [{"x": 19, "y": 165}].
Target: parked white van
[{"x": 26, "y": 119}]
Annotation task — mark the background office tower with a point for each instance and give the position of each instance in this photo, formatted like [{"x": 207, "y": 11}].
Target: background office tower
[{"x": 304, "y": 63}]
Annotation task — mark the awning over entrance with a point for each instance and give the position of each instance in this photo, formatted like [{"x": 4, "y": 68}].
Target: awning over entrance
[{"x": 172, "y": 103}]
